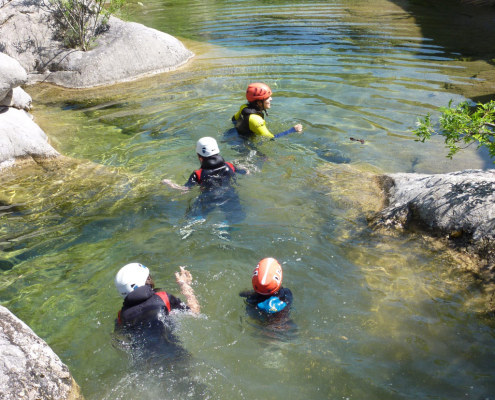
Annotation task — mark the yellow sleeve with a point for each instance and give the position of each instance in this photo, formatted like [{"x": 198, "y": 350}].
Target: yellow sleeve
[
  {"x": 237, "y": 115},
  {"x": 258, "y": 125}
]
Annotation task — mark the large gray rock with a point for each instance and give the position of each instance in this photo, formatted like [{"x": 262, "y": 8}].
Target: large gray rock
[
  {"x": 29, "y": 369},
  {"x": 17, "y": 98},
  {"x": 459, "y": 206},
  {"x": 21, "y": 138},
  {"x": 11, "y": 74},
  {"x": 124, "y": 52},
  {"x": 454, "y": 203}
]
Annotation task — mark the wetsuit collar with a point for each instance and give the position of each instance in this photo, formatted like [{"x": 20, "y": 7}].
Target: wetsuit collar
[
  {"x": 213, "y": 162},
  {"x": 139, "y": 295}
]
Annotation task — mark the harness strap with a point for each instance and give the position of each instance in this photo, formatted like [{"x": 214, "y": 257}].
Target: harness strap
[
  {"x": 198, "y": 174},
  {"x": 230, "y": 165},
  {"x": 164, "y": 297}
]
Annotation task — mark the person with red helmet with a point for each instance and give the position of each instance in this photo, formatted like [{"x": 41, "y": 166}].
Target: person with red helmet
[
  {"x": 268, "y": 296},
  {"x": 250, "y": 119}
]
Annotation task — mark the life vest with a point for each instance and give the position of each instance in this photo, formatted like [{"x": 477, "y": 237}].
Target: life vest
[
  {"x": 242, "y": 124},
  {"x": 165, "y": 299},
  {"x": 225, "y": 170},
  {"x": 147, "y": 308}
]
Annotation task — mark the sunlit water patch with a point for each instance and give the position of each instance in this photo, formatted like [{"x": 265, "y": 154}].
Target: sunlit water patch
[{"x": 376, "y": 315}]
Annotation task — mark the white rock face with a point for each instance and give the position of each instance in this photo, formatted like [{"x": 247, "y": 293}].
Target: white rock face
[
  {"x": 21, "y": 137},
  {"x": 124, "y": 52},
  {"x": 17, "y": 98},
  {"x": 29, "y": 369},
  {"x": 457, "y": 203},
  {"x": 12, "y": 74}
]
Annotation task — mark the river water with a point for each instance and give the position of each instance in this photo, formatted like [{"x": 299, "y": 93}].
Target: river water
[{"x": 376, "y": 315}]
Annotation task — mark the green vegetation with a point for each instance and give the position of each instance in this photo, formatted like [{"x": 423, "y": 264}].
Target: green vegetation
[
  {"x": 80, "y": 21},
  {"x": 460, "y": 125}
]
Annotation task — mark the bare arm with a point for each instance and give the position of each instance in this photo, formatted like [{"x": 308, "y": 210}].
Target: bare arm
[
  {"x": 174, "y": 185},
  {"x": 184, "y": 279}
]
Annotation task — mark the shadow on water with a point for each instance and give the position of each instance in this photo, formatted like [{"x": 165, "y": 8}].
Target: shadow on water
[{"x": 463, "y": 27}]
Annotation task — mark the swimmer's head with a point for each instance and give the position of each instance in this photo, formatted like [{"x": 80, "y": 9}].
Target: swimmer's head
[
  {"x": 267, "y": 276},
  {"x": 258, "y": 91},
  {"x": 130, "y": 277},
  {"x": 207, "y": 147}
]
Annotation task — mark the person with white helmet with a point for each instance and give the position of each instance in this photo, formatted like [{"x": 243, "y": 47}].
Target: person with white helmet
[
  {"x": 214, "y": 179},
  {"x": 268, "y": 297},
  {"x": 250, "y": 119},
  {"x": 214, "y": 171},
  {"x": 142, "y": 303}
]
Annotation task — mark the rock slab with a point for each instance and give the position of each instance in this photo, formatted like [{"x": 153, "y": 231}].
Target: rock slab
[
  {"x": 454, "y": 203},
  {"x": 29, "y": 369},
  {"x": 125, "y": 51},
  {"x": 458, "y": 206}
]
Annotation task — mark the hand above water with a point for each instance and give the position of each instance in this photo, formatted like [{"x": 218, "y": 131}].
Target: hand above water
[
  {"x": 183, "y": 276},
  {"x": 174, "y": 185},
  {"x": 298, "y": 127}
]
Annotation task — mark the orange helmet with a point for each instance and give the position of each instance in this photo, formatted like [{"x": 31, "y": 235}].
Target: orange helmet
[
  {"x": 258, "y": 91},
  {"x": 267, "y": 276}
]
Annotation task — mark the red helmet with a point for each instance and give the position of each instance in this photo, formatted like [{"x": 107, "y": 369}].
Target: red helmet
[
  {"x": 258, "y": 91},
  {"x": 267, "y": 276}
]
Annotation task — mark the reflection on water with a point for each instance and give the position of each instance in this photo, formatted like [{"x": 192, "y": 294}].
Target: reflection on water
[{"x": 376, "y": 315}]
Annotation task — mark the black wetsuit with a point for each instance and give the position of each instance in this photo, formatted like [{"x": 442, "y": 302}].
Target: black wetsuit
[
  {"x": 214, "y": 173},
  {"x": 273, "y": 324},
  {"x": 143, "y": 322},
  {"x": 255, "y": 300},
  {"x": 215, "y": 178},
  {"x": 144, "y": 305}
]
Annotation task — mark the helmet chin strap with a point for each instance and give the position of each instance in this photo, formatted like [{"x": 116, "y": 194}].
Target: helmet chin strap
[{"x": 263, "y": 109}]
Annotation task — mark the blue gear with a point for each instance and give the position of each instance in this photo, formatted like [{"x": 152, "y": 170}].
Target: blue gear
[{"x": 272, "y": 305}]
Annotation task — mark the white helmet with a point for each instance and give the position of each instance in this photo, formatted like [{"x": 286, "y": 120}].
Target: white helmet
[
  {"x": 130, "y": 277},
  {"x": 207, "y": 146}
]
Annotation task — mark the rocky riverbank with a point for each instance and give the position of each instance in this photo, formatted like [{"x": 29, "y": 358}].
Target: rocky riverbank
[
  {"x": 458, "y": 207},
  {"x": 29, "y": 54},
  {"x": 125, "y": 51},
  {"x": 30, "y": 369},
  {"x": 21, "y": 139}
]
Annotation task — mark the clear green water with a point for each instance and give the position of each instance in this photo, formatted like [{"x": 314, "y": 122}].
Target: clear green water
[{"x": 378, "y": 316}]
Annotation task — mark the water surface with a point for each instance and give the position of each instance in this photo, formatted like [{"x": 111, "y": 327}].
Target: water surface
[{"x": 376, "y": 315}]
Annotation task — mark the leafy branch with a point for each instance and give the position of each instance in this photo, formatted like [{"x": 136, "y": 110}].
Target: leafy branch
[{"x": 463, "y": 124}]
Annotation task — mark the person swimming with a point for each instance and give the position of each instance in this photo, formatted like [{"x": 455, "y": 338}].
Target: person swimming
[
  {"x": 250, "y": 119},
  {"x": 215, "y": 178}
]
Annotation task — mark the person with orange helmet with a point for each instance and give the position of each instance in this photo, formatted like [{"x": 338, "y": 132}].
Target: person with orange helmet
[
  {"x": 250, "y": 119},
  {"x": 268, "y": 296}
]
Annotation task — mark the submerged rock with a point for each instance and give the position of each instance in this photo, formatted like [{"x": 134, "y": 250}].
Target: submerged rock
[{"x": 29, "y": 368}]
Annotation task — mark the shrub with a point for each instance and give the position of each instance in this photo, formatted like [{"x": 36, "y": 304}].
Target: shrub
[
  {"x": 79, "y": 21},
  {"x": 463, "y": 124}
]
